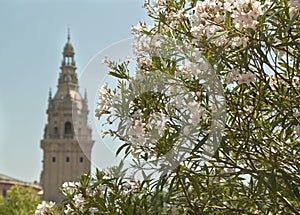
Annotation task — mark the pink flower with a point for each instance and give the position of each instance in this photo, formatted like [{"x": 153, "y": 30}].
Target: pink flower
[
  {"x": 137, "y": 128},
  {"x": 246, "y": 78},
  {"x": 221, "y": 40},
  {"x": 196, "y": 112},
  {"x": 239, "y": 41},
  {"x": 231, "y": 77}
]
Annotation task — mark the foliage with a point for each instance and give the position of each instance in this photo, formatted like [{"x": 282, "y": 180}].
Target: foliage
[
  {"x": 20, "y": 201},
  {"x": 213, "y": 108}
]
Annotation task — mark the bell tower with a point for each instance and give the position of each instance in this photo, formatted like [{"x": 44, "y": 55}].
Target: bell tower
[{"x": 67, "y": 141}]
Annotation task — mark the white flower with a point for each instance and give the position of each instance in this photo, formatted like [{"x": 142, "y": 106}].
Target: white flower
[
  {"x": 68, "y": 210},
  {"x": 136, "y": 152},
  {"x": 197, "y": 31},
  {"x": 211, "y": 30},
  {"x": 228, "y": 6},
  {"x": 70, "y": 187},
  {"x": 43, "y": 207},
  {"x": 138, "y": 28},
  {"x": 142, "y": 44},
  {"x": 93, "y": 210},
  {"x": 296, "y": 114},
  {"x": 143, "y": 62},
  {"x": 109, "y": 63},
  {"x": 79, "y": 200},
  {"x": 158, "y": 5},
  {"x": 107, "y": 99}
]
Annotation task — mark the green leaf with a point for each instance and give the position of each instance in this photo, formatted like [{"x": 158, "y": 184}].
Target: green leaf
[
  {"x": 118, "y": 75},
  {"x": 122, "y": 147}
]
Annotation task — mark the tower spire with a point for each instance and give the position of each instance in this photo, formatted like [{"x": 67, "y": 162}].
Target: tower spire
[
  {"x": 69, "y": 34},
  {"x": 68, "y": 76}
]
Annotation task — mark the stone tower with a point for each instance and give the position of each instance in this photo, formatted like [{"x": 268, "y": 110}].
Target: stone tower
[{"x": 67, "y": 142}]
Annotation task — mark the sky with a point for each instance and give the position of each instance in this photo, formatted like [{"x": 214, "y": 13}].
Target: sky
[{"x": 32, "y": 36}]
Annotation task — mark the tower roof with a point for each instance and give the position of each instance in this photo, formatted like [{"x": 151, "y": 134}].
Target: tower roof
[
  {"x": 67, "y": 91},
  {"x": 68, "y": 49}
]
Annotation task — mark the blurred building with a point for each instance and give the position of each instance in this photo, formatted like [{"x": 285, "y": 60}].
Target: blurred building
[
  {"x": 7, "y": 182},
  {"x": 67, "y": 141}
]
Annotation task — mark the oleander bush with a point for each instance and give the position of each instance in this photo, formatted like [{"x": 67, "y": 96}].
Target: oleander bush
[{"x": 210, "y": 116}]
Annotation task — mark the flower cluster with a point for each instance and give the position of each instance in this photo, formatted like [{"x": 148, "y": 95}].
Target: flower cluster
[
  {"x": 244, "y": 78},
  {"x": 106, "y": 100},
  {"x": 83, "y": 195},
  {"x": 196, "y": 112},
  {"x": 70, "y": 187},
  {"x": 191, "y": 70},
  {"x": 45, "y": 208},
  {"x": 143, "y": 41},
  {"x": 145, "y": 128},
  {"x": 74, "y": 191},
  {"x": 158, "y": 5},
  {"x": 144, "y": 136},
  {"x": 211, "y": 18},
  {"x": 244, "y": 13}
]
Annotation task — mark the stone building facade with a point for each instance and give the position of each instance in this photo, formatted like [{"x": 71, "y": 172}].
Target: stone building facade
[
  {"x": 67, "y": 142},
  {"x": 7, "y": 182}
]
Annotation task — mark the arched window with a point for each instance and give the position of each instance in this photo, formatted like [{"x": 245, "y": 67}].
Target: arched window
[
  {"x": 68, "y": 128},
  {"x": 55, "y": 130}
]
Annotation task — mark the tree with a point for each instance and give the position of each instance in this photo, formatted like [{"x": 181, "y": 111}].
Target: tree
[
  {"x": 213, "y": 108},
  {"x": 20, "y": 201}
]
